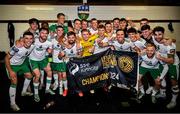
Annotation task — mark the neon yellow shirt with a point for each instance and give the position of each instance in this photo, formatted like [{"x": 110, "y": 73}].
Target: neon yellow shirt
[{"x": 86, "y": 45}]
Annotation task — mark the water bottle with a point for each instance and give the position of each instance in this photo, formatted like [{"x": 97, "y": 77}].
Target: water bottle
[{"x": 51, "y": 103}]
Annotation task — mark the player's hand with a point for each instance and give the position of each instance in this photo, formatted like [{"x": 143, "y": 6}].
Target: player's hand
[
  {"x": 91, "y": 50},
  {"x": 100, "y": 44},
  {"x": 61, "y": 54},
  {"x": 19, "y": 43},
  {"x": 158, "y": 56},
  {"x": 138, "y": 36},
  {"x": 12, "y": 75},
  {"x": 112, "y": 47}
]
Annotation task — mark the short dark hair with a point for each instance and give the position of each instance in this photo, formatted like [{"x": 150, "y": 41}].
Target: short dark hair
[
  {"x": 123, "y": 19},
  {"x": 101, "y": 26},
  {"x": 84, "y": 30},
  {"x": 59, "y": 26},
  {"x": 60, "y": 14},
  {"x": 108, "y": 22},
  {"x": 28, "y": 33},
  {"x": 71, "y": 33},
  {"x": 145, "y": 27},
  {"x": 144, "y": 19},
  {"x": 46, "y": 29},
  {"x": 116, "y": 19},
  {"x": 151, "y": 45},
  {"x": 33, "y": 20},
  {"x": 120, "y": 30},
  {"x": 132, "y": 30},
  {"x": 76, "y": 20},
  {"x": 84, "y": 20},
  {"x": 70, "y": 24},
  {"x": 158, "y": 28},
  {"x": 45, "y": 23},
  {"x": 94, "y": 19}
]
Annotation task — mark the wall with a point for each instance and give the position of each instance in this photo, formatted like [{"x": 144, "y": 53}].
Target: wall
[{"x": 49, "y": 12}]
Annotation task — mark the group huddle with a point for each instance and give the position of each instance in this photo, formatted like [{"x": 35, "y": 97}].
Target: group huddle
[{"x": 48, "y": 49}]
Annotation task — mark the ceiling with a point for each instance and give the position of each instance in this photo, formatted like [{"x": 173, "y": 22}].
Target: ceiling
[{"x": 93, "y": 2}]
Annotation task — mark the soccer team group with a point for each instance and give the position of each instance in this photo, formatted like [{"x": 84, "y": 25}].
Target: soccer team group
[{"x": 47, "y": 49}]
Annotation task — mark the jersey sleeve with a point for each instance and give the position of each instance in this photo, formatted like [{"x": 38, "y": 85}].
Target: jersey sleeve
[
  {"x": 144, "y": 42},
  {"x": 13, "y": 50},
  {"x": 132, "y": 45},
  {"x": 171, "y": 51}
]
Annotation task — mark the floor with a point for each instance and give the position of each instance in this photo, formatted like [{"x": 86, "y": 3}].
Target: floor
[{"x": 113, "y": 101}]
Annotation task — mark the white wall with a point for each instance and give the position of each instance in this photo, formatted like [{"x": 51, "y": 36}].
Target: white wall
[{"x": 49, "y": 12}]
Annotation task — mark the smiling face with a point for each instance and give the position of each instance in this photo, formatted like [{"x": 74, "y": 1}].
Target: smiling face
[
  {"x": 43, "y": 34},
  {"x": 144, "y": 22},
  {"x": 71, "y": 39},
  {"x": 101, "y": 32},
  {"x": 28, "y": 40},
  {"x": 77, "y": 25},
  {"x": 94, "y": 24},
  {"x": 85, "y": 35},
  {"x": 158, "y": 36},
  {"x": 84, "y": 24},
  {"x": 122, "y": 24},
  {"x": 150, "y": 51},
  {"x": 146, "y": 33},
  {"x": 61, "y": 19},
  {"x": 34, "y": 26},
  {"x": 108, "y": 28},
  {"x": 116, "y": 24},
  {"x": 60, "y": 31},
  {"x": 132, "y": 36},
  {"x": 120, "y": 36}
]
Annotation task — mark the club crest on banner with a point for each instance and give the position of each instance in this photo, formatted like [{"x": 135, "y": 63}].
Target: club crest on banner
[
  {"x": 83, "y": 11},
  {"x": 126, "y": 64}
]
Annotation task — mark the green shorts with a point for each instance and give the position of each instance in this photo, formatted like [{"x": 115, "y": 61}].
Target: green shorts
[
  {"x": 60, "y": 67},
  {"x": 21, "y": 69},
  {"x": 154, "y": 72},
  {"x": 161, "y": 67},
  {"x": 38, "y": 64},
  {"x": 173, "y": 71}
]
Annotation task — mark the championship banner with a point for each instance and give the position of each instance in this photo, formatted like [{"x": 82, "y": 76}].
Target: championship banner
[
  {"x": 124, "y": 74},
  {"x": 109, "y": 67},
  {"x": 88, "y": 72}
]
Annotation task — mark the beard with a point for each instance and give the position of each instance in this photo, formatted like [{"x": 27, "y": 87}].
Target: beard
[{"x": 71, "y": 42}]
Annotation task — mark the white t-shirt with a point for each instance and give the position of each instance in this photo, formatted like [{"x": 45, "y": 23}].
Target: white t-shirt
[
  {"x": 99, "y": 49},
  {"x": 151, "y": 63},
  {"x": 126, "y": 46},
  {"x": 39, "y": 52},
  {"x": 18, "y": 55},
  {"x": 141, "y": 43},
  {"x": 92, "y": 31},
  {"x": 57, "y": 48}
]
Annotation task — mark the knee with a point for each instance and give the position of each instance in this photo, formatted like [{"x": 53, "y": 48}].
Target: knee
[
  {"x": 37, "y": 76},
  {"x": 14, "y": 81},
  {"x": 28, "y": 75},
  {"x": 157, "y": 82}
]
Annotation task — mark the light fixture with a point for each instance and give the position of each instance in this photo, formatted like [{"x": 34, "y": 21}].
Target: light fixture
[{"x": 39, "y": 8}]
